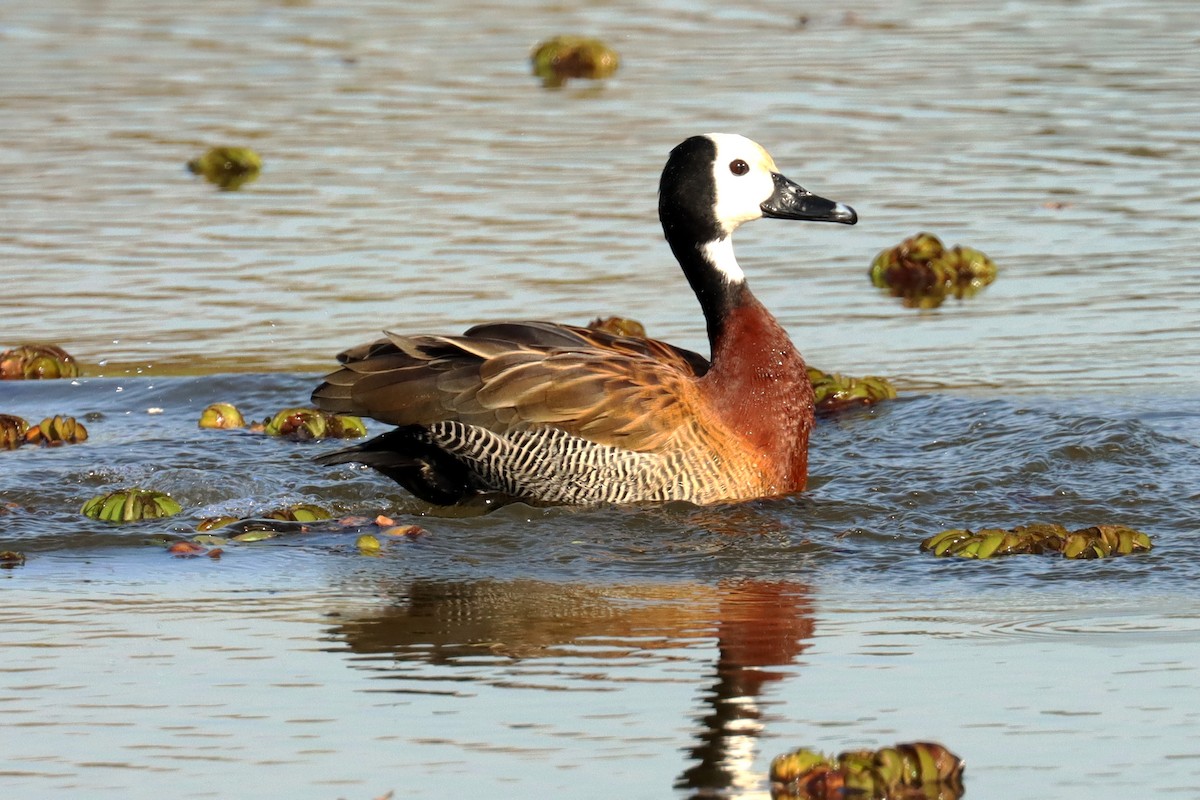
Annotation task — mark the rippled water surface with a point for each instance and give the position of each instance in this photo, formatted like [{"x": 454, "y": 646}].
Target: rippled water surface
[{"x": 417, "y": 177}]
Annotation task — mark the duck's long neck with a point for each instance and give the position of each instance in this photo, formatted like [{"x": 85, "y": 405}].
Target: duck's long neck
[
  {"x": 758, "y": 380},
  {"x": 715, "y": 277}
]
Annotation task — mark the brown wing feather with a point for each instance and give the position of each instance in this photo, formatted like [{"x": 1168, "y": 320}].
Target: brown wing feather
[
  {"x": 628, "y": 392},
  {"x": 612, "y": 398},
  {"x": 554, "y": 335}
]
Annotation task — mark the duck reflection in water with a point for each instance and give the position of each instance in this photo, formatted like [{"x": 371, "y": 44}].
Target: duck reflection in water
[{"x": 759, "y": 625}]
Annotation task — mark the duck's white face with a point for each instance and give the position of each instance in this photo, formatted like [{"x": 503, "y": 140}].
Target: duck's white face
[
  {"x": 743, "y": 175},
  {"x": 747, "y": 185}
]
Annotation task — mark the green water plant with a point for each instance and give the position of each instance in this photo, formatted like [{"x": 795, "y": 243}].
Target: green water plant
[
  {"x": 223, "y": 416},
  {"x": 301, "y": 512},
  {"x": 910, "y": 771},
  {"x": 1097, "y": 541},
  {"x": 229, "y": 168},
  {"x": 213, "y": 523},
  {"x": 922, "y": 272},
  {"x": 834, "y": 391},
  {"x": 619, "y": 326},
  {"x": 12, "y": 431},
  {"x": 564, "y": 57},
  {"x": 368, "y": 544},
  {"x": 255, "y": 533},
  {"x": 242, "y": 530},
  {"x": 280, "y": 520},
  {"x": 304, "y": 424},
  {"x": 37, "y": 361},
  {"x": 57, "y": 430},
  {"x": 130, "y": 505}
]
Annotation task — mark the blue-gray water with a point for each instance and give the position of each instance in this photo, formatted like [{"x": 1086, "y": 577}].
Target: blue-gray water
[{"x": 418, "y": 178}]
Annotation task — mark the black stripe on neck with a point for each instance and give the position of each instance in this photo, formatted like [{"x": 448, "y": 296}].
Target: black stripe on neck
[
  {"x": 716, "y": 294},
  {"x": 687, "y": 197}
]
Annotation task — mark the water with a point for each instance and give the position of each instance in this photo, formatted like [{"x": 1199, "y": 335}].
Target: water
[{"x": 417, "y": 178}]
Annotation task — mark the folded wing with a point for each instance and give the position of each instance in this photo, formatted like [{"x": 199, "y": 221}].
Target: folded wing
[{"x": 626, "y": 392}]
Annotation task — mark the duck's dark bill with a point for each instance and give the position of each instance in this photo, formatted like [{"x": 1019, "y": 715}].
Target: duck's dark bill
[{"x": 792, "y": 201}]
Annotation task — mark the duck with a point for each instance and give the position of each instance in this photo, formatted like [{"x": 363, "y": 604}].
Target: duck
[{"x": 556, "y": 414}]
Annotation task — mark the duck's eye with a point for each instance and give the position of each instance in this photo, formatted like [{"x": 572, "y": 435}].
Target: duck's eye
[{"x": 738, "y": 167}]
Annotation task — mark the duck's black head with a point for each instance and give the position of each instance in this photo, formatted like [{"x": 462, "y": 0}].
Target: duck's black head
[{"x": 711, "y": 185}]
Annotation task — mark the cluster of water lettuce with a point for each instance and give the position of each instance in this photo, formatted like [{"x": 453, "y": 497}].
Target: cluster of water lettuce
[
  {"x": 130, "y": 505},
  {"x": 135, "y": 504},
  {"x": 913, "y": 771},
  {"x": 37, "y": 361},
  {"x": 923, "y": 272},
  {"x": 1098, "y": 541},
  {"x": 50, "y": 432},
  {"x": 564, "y": 57},
  {"x": 229, "y": 168}
]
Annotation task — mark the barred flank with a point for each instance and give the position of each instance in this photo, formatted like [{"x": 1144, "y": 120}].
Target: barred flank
[{"x": 551, "y": 466}]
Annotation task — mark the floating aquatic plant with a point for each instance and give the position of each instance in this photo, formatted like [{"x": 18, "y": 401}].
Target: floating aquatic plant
[
  {"x": 55, "y": 431},
  {"x": 280, "y": 520},
  {"x": 212, "y": 523},
  {"x": 1098, "y": 541},
  {"x": 922, "y": 272},
  {"x": 618, "y": 326},
  {"x": 563, "y": 57},
  {"x": 256, "y": 534},
  {"x": 222, "y": 415},
  {"x": 37, "y": 361},
  {"x": 12, "y": 431},
  {"x": 301, "y": 512},
  {"x": 51, "y": 432},
  {"x": 304, "y": 424},
  {"x": 912, "y": 771},
  {"x": 229, "y": 168},
  {"x": 293, "y": 423},
  {"x": 834, "y": 391},
  {"x": 250, "y": 529},
  {"x": 130, "y": 505}
]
